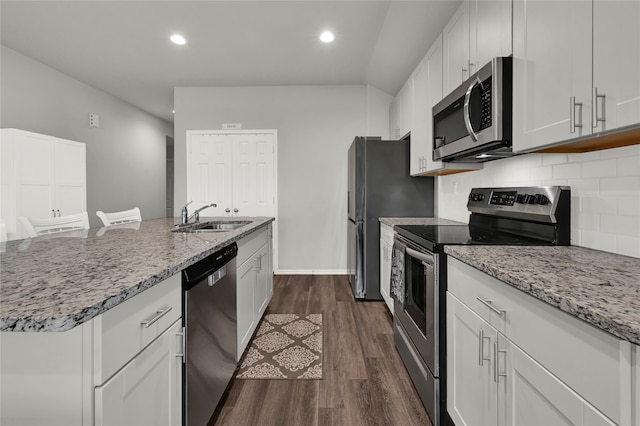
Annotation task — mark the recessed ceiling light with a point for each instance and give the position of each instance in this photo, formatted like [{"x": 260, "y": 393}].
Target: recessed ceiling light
[
  {"x": 178, "y": 39},
  {"x": 327, "y": 37}
]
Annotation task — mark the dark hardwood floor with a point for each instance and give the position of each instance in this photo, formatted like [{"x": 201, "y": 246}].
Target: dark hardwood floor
[{"x": 364, "y": 381}]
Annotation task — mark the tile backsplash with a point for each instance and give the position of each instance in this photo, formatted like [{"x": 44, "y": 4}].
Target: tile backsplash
[{"x": 605, "y": 192}]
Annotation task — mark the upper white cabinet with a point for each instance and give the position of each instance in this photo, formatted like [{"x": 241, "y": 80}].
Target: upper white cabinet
[
  {"x": 43, "y": 176},
  {"x": 400, "y": 112},
  {"x": 234, "y": 170},
  {"x": 479, "y": 31},
  {"x": 576, "y": 69},
  {"x": 616, "y": 64},
  {"x": 427, "y": 91}
]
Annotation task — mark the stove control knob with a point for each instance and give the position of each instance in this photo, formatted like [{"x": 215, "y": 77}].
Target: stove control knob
[
  {"x": 528, "y": 199},
  {"x": 520, "y": 198},
  {"x": 474, "y": 196},
  {"x": 541, "y": 199}
]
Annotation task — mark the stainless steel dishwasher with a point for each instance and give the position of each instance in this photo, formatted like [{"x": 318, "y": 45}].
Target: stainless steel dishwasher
[{"x": 210, "y": 321}]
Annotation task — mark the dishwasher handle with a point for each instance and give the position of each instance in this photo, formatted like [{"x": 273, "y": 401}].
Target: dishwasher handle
[{"x": 217, "y": 276}]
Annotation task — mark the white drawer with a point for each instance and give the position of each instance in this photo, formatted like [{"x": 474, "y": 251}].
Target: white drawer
[
  {"x": 250, "y": 244},
  {"x": 386, "y": 233},
  {"x": 590, "y": 361},
  {"x": 122, "y": 332}
]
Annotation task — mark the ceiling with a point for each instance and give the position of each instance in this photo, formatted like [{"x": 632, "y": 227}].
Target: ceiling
[{"x": 123, "y": 47}]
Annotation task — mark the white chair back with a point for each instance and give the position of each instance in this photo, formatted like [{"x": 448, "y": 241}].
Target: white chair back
[
  {"x": 124, "y": 216},
  {"x": 53, "y": 225}
]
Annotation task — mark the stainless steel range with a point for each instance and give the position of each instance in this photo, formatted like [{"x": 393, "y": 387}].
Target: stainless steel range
[{"x": 499, "y": 216}]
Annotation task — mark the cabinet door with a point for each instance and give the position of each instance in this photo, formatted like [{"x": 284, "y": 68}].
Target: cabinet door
[
  {"x": 616, "y": 64},
  {"x": 261, "y": 295},
  {"x": 394, "y": 126},
  {"x": 148, "y": 390},
  {"x": 455, "y": 38},
  {"x": 551, "y": 71},
  {"x": 490, "y": 31},
  {"x": 210, "y": 173},
  {"x": 70, "y": 186},
  {"x": 421, "y": 117},
  {"x": 471, "y": 389},
  {"x": 529, "y": 394},
  {"x": 385, "y": 273},
  {"x": 246, "y": 284},
  {"x": 253, "y": 184}
]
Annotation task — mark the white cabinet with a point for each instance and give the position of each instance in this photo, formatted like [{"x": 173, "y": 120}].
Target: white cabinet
[
  {"x": 234, "y": 170},
  {"x": 616, "y": 64},
  {"x": 254, "y": 283},
  {"x": 635, "y": 379},
  {"x": 576, "y": 70},
  {"x": 386, "y": 251},
  {"x": 107, "y": 371},
  {"x": 45, "y": 177},
  {"x": 479, "y": 31},
  {"x": 532, "y": 355},
  {"x": 455, "y": 37},
  {"x": 147, "y": 390},
  {"x": 400, "y": 112},
  {"x": 394, "y": 120},
  {"x": 427, "y": 91},
  {"x": 494, "y": 382}
]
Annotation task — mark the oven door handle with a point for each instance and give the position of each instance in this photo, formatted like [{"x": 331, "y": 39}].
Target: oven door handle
[{"x": 420, "y": 256}]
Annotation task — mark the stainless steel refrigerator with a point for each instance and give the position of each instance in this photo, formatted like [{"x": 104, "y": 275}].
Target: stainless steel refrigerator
[{"x": 379, "y": 186}]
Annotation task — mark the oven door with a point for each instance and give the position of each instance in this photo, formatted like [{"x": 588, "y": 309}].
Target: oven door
[{"x": 419, "y": 313}]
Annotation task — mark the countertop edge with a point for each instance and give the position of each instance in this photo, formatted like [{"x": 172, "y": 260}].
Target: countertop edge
[{"x": 65, "y": 323}]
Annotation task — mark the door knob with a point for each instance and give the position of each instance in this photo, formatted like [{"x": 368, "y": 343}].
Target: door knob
[
  {"x": 235, "y": 210},
  {"x": 227, "y": 210}
]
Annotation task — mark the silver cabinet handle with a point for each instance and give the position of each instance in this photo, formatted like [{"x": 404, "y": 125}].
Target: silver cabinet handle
[
  {"x": 481, "y": 337},
  {"x": 467, "y": 117},
  {"x": 181, "y": 345},
  {"x": 488, "y": 304},
  {"x": 573, "y": 123},
  {"x": 496, "y": 364},
  {"x": 235, "y": 210},
  {"x": 596, "y": 118},
  {"x": 155, "y": 317}
]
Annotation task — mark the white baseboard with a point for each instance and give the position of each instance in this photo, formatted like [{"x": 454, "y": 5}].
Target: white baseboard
[{"x": 311, "y": 272}]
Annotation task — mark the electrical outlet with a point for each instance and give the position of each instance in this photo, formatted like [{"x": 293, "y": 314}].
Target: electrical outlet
[{"x": 94, "y": 120}]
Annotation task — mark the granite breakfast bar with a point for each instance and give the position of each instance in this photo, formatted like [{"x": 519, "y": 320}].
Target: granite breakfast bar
[{"x": 91, "y": 321}]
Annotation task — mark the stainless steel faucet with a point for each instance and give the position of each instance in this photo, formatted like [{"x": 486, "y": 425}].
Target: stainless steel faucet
[{"x": 185, "y": 213}]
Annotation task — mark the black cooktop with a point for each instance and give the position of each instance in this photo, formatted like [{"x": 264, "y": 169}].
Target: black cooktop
[{"x": 433, "y": 237}]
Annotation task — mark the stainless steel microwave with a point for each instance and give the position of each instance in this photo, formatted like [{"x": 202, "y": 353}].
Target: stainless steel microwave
[{"x": 473, "y": 123}]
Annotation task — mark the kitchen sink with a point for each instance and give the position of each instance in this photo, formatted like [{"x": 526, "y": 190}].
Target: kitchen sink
[{"x": 212, "y": 226}]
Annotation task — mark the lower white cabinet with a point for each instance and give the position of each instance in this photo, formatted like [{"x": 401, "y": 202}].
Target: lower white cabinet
[
  {"x": 123, "y": 367},
  {"x": 494, "y": 382},
  {"x": 386, "y": 250},
  {"x": 513, "y": 359},
  {"x": 254, "y": 283},
  {"x": 148, "y": 390}
]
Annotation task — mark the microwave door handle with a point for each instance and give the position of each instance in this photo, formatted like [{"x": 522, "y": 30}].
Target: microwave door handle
[{"x": 467, "y": 117}]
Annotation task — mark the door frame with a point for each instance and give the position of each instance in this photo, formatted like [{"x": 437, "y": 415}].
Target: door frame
[{"x": 274, "y": 133}]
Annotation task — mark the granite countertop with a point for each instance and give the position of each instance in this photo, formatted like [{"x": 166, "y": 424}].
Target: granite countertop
[
  {"x": 56, "y": 282},
  {"x": 600, "y": 288},
  {"x": 393, "y": 221}
]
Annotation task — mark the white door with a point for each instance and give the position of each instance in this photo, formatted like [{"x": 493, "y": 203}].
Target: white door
[
  {"x": 616, "y": 63},
  {"x": 455, "y": 38},
  {"x": 34, "y": 175},
  {"x": 551, "y": 71},
  {"x": 253, "y": 177},
  {"x": 471, "y": 394},
  {"x": 530, "y": 395},
  {"x": 70, "y": 177},
  {"x": 210, "y": 172},
  {"x": 146, "y": 391}
]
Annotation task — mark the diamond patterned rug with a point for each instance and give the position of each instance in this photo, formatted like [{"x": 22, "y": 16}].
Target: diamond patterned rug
[{"x": 286, "y": 346}]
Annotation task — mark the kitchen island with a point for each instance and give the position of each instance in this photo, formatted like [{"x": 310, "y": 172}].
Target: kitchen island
[
  {"x": 56, "y": 282},
  {"x": 91, "y": 320}
]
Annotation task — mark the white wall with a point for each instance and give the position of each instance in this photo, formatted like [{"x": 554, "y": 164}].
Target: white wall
[
  {"x": 605, "y": 192},
  {"x": 125, "y": 155},
  {"x": 316, "y": 125}
]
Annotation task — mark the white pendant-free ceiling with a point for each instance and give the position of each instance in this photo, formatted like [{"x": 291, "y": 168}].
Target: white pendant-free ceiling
[{"x": 123, "y": 47}]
